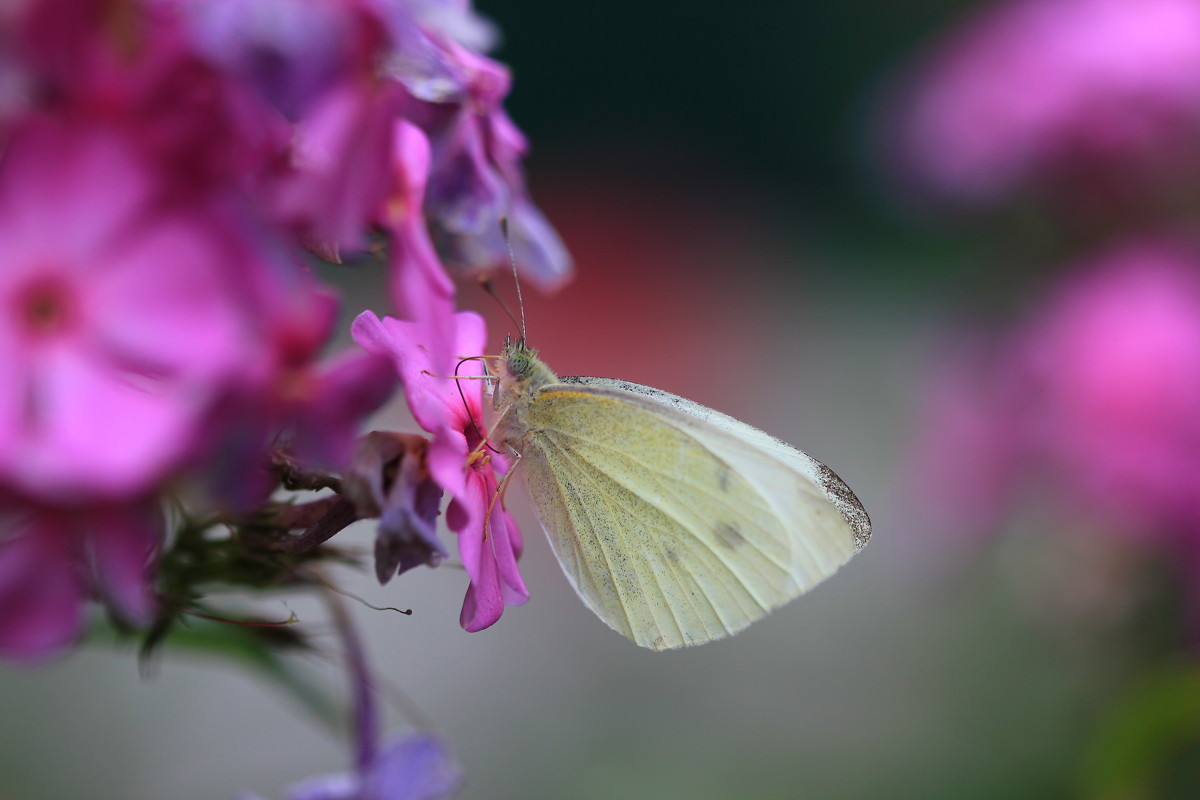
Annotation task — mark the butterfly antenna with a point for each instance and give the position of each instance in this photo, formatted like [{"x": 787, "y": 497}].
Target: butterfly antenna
[
  {"x": 512, "y": 260},
  {"x": 486, "y": 284}
]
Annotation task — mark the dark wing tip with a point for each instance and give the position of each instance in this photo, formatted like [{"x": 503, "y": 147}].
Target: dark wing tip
[{"x": 846, "y": 502}]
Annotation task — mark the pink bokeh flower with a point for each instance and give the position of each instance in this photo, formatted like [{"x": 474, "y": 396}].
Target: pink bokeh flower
[
  {"x": 967, "y": 465},
  {"x": 1114, "y": 356},
  {"x": 338, "y": 181},
  {"x": 1066, "y": 97},
  {"x": 488, "y": 539},
  {"x": 1094, "y": 402},
  {"x": 121, "y": 319},
  {"x": 52, "y": 560}
]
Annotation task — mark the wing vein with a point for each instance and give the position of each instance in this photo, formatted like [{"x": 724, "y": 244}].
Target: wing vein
[
  {"x": 586, "y": 475},
  {"x": 589, "y": 471},
  {"x": 669, "y": 487},
  {"x": 675, "y": 481}
]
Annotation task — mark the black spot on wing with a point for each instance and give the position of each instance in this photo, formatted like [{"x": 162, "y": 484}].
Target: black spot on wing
[
  {"x": 723, "y": 475},
  {"x": 728, "y": 536}
]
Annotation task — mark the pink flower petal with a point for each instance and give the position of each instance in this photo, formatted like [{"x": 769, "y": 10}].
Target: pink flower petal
[
  {"x": 431, "y": 392},
  {"x": 51, "y": 172},
  {"x": 348, "y": 388},
  {"x": 421, "y": 290},
  {"x": 506, "y": 548},
  {"x": 483, "y": 604},
  {"x": 41, "y": 591},
  {"x": 478, "y": 542},
  {"x": 180, "y": 320},
  {"x": 95, "y": 427}
]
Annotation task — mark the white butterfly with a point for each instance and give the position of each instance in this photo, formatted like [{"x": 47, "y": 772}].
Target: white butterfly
[{"x": 675, "y": 523}]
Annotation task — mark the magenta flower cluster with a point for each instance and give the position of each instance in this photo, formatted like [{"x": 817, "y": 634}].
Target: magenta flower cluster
[
  {"x": 171, "y": 171},
  {"x": 1056, "y": 98},
  {"x": 1090, "y": 402},
  {"x": 1087, "y": 112}
]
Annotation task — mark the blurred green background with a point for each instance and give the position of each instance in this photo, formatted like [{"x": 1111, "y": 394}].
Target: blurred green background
[{"x": 709, "y": 167}]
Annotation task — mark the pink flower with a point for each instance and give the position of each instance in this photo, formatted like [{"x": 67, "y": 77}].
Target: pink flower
[
  {"x": 1115, "y": 357},
  {"x": 163, "y": 161},
  {"x": 121, "y": 318},
  {"x": 52, "y": 560},
  {"x": 475, "y": 177},
  {"x": 1067, "y": 96},
  {"x": 488, "y": 539},
  {"x": 338, "y": 181},
  {"x": 1094, "y": 402},
  {"x": 290, "y": 53},
  {"x": 971, "y": 438}
]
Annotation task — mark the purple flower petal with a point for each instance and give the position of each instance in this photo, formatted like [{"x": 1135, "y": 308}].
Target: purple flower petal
[
  {"x": 328, "y": 787},
  {"x": 41, "y": 589},
  {"x": 390, "y": 479},
  {"x": 348, "y": 388},
  {"x": 416, "y": 767}
]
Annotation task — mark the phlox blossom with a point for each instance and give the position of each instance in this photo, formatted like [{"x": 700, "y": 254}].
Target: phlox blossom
[
  {"x": 416, "y": 767},
  {"x": 121, "y": 321},
  {"x": 1114, "y": 356},
  {"x": 488, "y": 539},
  {"x": 1059, "y": 96},
  {"x": 52, "y": 560},
  {"x": 475, "y": 178},
  {"x": 1093, "y": 401}
]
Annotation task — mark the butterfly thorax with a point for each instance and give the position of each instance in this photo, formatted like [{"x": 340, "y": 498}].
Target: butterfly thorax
[{"x": 521, "y": 375}]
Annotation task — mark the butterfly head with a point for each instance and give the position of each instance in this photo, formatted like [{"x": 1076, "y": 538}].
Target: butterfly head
[
  {"x": 518, "y": 358},
  {"x": 521, "y": 373}
]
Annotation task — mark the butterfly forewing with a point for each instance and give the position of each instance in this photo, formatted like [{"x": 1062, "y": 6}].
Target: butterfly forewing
[
  {"x": 674, "y": 529},
  {"x": 816, "y": 474}
]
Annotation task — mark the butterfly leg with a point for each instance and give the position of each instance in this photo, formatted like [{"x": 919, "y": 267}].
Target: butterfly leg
[
  {"x": 478, "y": 453},
  {"x": 499, "y": 493}
]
